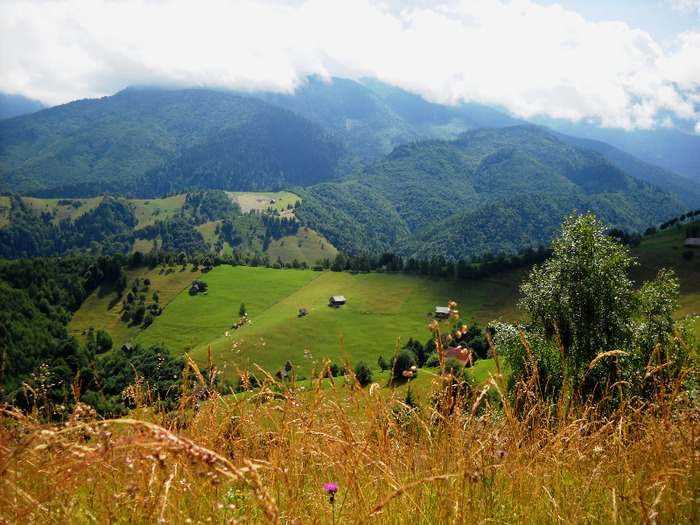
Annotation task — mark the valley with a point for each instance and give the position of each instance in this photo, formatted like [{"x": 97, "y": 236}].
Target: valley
[
  {"x": 371, "y": 263},
  {"x": 169, "y": 273}
]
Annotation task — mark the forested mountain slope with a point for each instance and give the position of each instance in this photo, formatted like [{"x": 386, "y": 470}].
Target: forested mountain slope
[
  {"x": 145, "y": 140},
  {"x": 687, "y": 190},
  {"x": 372, "y": 117},
  {"x": 16, "y": 105},
  {"x": 672, "y": 148},
  {"x": 489, "y": 190}
]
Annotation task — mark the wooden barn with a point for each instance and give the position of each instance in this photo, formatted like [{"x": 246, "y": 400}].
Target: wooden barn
[
  {"x": 442, "y": 312},
  {"x": 337, "y": 300}
]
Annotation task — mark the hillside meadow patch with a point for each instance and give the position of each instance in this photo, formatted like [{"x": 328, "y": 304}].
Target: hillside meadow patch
[
  {"x": 380, "y": 309},
  {"x": 104, "y": 308},
  {"x": 251, "y": 201}
]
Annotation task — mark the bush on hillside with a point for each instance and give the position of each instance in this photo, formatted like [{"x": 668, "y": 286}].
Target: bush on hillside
[
  {"x": 363, "y": 373},
  {"x": 404, "y": 360},
  {"x": 590, "y": 327}
]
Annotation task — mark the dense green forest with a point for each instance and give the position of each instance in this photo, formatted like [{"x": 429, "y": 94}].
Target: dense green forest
[
  {"x": 151, "y": 140},
  {"x": 108, "y": 229},
  {"x": 148, "y": 142},
  {"x": 488, "y": 191},
  {"x": 41, "y": 364}
]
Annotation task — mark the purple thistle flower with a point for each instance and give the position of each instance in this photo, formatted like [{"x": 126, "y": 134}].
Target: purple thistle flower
[
  {"x": 331, "y": 488},
  {"x": 499, "y": 453}
]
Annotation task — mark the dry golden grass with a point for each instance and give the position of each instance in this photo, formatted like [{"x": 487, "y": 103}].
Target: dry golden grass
[{"x": 265, "y": 457}]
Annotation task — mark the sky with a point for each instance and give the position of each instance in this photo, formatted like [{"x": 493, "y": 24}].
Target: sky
[{"x": 630, "y": 64}]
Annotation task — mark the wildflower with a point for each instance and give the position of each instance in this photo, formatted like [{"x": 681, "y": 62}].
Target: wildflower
[
  {"x": 408, "y": 373},
  {"x": 331, "y": 488},
  {"x": 499, "y": 453}
]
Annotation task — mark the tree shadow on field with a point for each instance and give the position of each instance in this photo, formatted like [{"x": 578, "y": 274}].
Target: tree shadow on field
[
  {"x": 104, "y": 290},
  {"x": 114, "y": 302}
]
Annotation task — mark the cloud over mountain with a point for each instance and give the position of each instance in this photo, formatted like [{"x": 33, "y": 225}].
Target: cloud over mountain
[{"x": 533, "y": 58}]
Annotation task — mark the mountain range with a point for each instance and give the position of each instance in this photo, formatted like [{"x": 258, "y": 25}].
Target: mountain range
[
  {"x": 488, "y": 190},
  {"x": 380, "y": 169}
]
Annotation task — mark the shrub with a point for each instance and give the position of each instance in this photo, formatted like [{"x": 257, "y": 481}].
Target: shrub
[
  {"x": 363, "y": 373},
  {"x": 404, "y": 360},
  {"x": 590, "y": 328},
  {"x": 103, "y": 340},
  {"x": 453, "y": 366},
  {"x": 432, "y": 361}
]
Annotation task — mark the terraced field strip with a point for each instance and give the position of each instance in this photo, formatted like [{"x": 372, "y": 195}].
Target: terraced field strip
[{"x": 197, "y": 320}]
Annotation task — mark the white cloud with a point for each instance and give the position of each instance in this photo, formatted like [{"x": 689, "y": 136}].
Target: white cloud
[
  {"x": 684, "y": 5},
  {"x": 531, "y": 59}
]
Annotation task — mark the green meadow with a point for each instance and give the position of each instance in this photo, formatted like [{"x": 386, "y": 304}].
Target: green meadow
[
  {"x": 262, "y": 201},
  {"x": 4, "y": 211},
  {"x": 380, "y": 309},
  {"x": 147, "y": 211},
  {"x": 665, "y": 250},
  {"x": 103, "y": 308},
  {"x": 199, "y": 319},
  {"x": 306, "y": 246}
]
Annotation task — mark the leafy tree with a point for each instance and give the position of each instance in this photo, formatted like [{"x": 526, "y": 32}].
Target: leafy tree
[
  {"x": 404, "y": 360},
  {"x": 432, "y": 361},
  {"x": 416, "y": 347},
  {"x": 363, "y": 372},
  {"x": 242, "y": 311},
  {"x": 139, "y": 313},
  {"x": 583, "y": 290},
  {"x": 103, "y": 340},
  {"x": 454, "y": 366},
  {"x": 590, "y": 325}
]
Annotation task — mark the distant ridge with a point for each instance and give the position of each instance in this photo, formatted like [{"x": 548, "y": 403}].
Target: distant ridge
[{"x": 17, "y": 105}]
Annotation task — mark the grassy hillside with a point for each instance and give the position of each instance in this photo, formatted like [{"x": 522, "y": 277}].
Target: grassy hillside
[
  {"x": 205, "y": 316},
  {"x": 665, "y": 250},
  {"x": 261, "y": 201},
  {"x": 4, "y": 211},
  {"x": 46, "y": 217},
  {"x": 307, "y": 246},
  {"x": 103, "y": 308},
  {"x": 380, "y": 309}
]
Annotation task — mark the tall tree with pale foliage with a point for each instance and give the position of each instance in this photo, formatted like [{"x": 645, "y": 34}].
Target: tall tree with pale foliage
[{"x": 591, "y": 328}]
